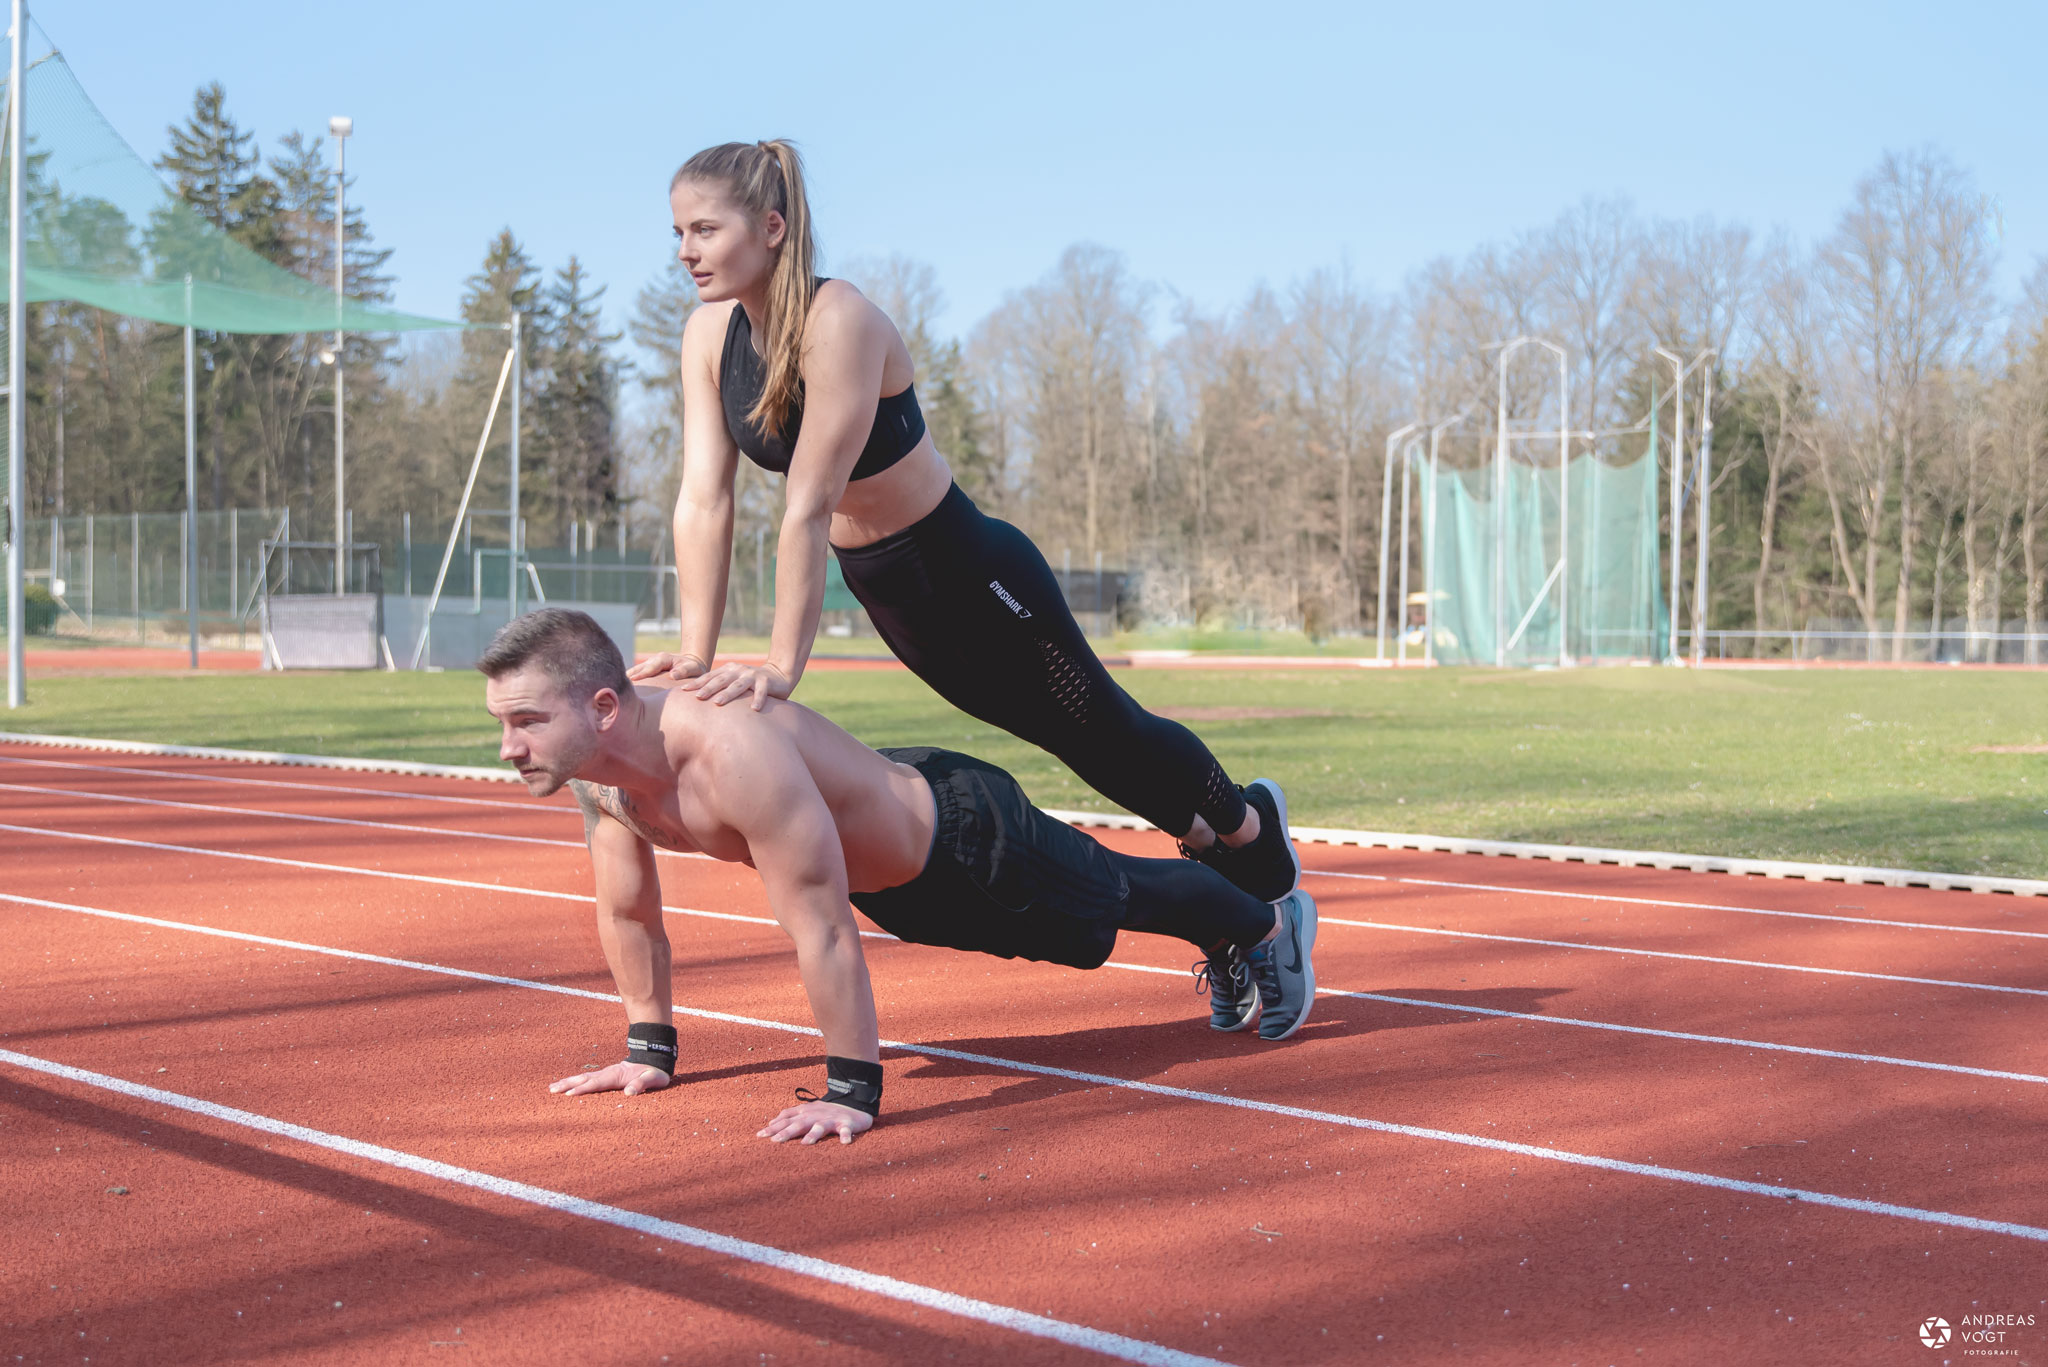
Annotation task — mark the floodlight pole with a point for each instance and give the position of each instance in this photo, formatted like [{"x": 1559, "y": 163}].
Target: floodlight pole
[
  {"x": 1677, "y": 493},
  {"x": 340, "y": 126},
  {"x": 17, "y": 377},
  {"x": 1706, "y": 515},
  {"x": 1408, "y": 454},
  {"x": 1436, "y": 436},
  {"x": 191, "y": 495},
  {"x": 1386, "y": 516},
  {"x": 512, "y": 505}
]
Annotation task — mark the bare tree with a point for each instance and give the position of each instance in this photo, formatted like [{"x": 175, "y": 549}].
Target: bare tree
[{"x": 1908, "y": 272}]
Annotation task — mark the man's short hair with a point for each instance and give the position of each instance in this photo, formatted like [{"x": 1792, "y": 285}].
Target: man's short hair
[{"x": 568, "y": 645}]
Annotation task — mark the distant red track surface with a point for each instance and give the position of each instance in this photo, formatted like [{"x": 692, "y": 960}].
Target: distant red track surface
[{"x": 1527, "y": 1123}]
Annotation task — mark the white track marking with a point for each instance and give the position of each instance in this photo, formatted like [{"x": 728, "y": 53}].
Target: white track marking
[
  {"x": 764, "y": 1255},
  {"x": 359, "y": 766},
  {"x": 1674, "y": 954},
  {"x": 1421, "y": 1002},
  {"x": 1998, "y": 1073},
  {"x": 1579, "y": 854},
  {"x": 181, "y": 774},
  {"x": 92, "y": 795},
  {"x": 1327, "y": 920},
  {"x": 1486, "y": 1142},
  {"x": 1668, "y": 902},
  {"x": 439, "y": 832},
  {"x": 474, "y": 835}
]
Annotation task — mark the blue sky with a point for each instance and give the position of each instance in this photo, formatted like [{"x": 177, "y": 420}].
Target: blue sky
[{"x": 1216, "y": 146}]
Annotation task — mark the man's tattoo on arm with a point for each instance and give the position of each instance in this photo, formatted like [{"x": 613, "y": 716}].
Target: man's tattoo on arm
[{"x": 586, "y": 798}]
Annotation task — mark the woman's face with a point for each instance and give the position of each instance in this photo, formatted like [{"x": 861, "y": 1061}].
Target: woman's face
[{"x": 728, "y": 253}]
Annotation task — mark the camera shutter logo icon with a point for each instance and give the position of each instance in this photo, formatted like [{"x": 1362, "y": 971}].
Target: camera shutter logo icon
[{"x": 1934, "y": 1331}]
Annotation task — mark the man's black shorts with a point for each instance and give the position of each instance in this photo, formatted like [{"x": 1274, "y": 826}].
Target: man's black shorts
[{"x": 1003, "y": 878}]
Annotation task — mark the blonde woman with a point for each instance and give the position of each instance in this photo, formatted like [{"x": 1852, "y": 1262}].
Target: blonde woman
[{"x": 808, "y": 379}]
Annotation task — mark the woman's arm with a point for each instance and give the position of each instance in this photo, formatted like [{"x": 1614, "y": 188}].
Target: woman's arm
[
  {"x": 703, "y": 515},
  {"x": 845, "y": 346}
]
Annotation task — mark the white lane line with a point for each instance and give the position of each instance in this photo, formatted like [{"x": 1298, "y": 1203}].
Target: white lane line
[
  {"x": 436, "y": 831},
  {"x": 1367, "y": 878},
  {"x": 1674, "y": 954},
  {"x": 1487, "y": 1142},
  {"x": 180, "y": 774},
  {"x": 1327, "y": 920},
  {"x": 1424, "y": 1003},
  {"x": 1658, "y": 859},
  {"x": 439, "y": 832},
  {"x": 1998, "y": 1073},
  {"x": 1667, "y": 902},
  {"x": 725, "y": 1245}
]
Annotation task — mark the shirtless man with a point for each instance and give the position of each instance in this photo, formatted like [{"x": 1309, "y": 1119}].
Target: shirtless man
[{"x": 935, "y": 847}]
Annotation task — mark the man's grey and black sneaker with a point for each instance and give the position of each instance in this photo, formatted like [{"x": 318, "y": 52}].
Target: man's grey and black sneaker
[
  {"x": 1233, "y": 997},
  {"x": 1267, "y": 868},
  {"x": 1284, "y": 968}
]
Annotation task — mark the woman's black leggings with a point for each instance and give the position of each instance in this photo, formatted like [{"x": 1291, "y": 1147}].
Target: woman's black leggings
[{"x": 971, "y": 606}]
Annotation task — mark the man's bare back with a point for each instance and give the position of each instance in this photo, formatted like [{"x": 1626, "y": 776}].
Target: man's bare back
[{"x": 883, "y": 810}]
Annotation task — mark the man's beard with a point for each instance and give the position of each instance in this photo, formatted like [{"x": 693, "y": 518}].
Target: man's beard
[{"x": 551, "y": 778}]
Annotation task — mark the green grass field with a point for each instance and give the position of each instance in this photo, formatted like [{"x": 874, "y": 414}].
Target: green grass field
[{"x": 1851, "y": 766}]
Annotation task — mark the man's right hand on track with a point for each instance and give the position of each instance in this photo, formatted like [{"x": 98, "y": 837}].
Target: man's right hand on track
[
  {"x": 666, "y": 663},
  {"x": 630, "y": 1078}
]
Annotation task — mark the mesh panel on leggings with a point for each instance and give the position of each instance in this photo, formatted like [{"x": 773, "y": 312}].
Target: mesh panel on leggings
[
  {"x": 1066, "y": 682},
  {"x": 1220, "y": 798}
]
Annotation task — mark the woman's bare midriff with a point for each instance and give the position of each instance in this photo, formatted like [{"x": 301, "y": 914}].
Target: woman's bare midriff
[{"x": 884, "y": 504}]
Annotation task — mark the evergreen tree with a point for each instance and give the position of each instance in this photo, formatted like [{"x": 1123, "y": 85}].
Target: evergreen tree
[
  {"x": 578, "y": 406},
  {"x": 508, "y": 282},
  {"x": 215, "y": 168}
]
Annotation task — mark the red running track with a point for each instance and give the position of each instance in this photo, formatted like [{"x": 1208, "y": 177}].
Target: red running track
[{"x": 1547, "y": 1113}]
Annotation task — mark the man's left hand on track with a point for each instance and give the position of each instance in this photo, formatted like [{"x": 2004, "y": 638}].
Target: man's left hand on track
[
  {"x": 813, "y": 1120},
  {"x": 630, "y": 1078}
]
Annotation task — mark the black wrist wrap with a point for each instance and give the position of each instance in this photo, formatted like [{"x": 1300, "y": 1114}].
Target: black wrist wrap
[
  {"x": 854, "y": 1082},
  {"x": 652, "y": 1046}
]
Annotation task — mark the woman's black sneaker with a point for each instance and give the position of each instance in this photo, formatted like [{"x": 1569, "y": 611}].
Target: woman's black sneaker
[{"x": 1268, "y": 867}]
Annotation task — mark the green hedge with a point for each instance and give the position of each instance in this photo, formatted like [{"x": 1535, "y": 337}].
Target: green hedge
[{"x": 39, "y": 610}]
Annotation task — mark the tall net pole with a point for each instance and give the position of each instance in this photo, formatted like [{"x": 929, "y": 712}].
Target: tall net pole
[
  {"x": 17, "y": 376},
  {"x": 1706, "y": 515},
  {"x": 190, "y": 568},
  {"x": 340, "y": 128},
  {"x": 512, "y": 504}
]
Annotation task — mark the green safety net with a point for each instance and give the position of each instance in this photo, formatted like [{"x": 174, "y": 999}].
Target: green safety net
[
  {"x": 102, "y": 229},
  {"x": 1608, "y": 589}
]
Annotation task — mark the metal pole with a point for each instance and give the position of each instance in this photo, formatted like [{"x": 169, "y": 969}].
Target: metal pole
[
  {"x": 92, "y": 573},
  {"x": 512, "y": 513},
  {"x": 1564, "y": 506},
  {"x": 1677, "y": 496},
  {"x": 1500, "y": 516},
  {"x": 1386, "y": 524},
  {"x": 17, "y": 378},
  {"x": 191, "y": 497},
  {"x": 235, "y": 571},
  {"x": 1407, "y": 479},
  {"x": 340, "y": 128},
  {"x": 135, "y": 570},
  {"x": 1706, "y": 518}
]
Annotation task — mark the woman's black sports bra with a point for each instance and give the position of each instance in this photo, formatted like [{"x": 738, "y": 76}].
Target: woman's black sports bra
[{"x": 899, "y": 422}]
